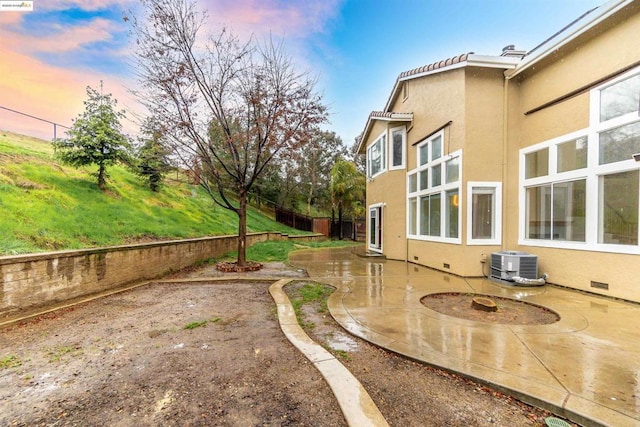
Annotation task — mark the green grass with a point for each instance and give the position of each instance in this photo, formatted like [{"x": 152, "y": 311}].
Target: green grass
[
  {"x": 201, "y": 323},
  {"x": 194, "y": 325},
  {"x": 46, "y": 206},
  {"x": 10, "y": 361},
  {"x": 56, "y": 354},
  {"x": 308, "y": 294},
  {"x": 275, "y": 250}
]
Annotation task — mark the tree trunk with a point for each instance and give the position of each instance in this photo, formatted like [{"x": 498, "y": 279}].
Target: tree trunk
[
  {"x": 309, "y": 198},
  {"x": 101, "y": 178},
  {"x": 242, "y": 230},
  {"x": 340, "y": 236}
]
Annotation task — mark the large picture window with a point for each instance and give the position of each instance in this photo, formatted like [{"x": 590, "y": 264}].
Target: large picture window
[
  {"x": 582, "y": 190},
  {"x": 433, "y": 201}
]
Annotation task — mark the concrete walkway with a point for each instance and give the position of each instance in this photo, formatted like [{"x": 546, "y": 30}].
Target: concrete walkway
[
  {"x": 358, "y": 408},
  {"x": 585, "y": 367}
]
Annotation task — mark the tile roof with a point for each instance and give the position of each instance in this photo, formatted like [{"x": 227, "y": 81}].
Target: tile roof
[
  {"x": 390, "y": 115},
  {"x": 435, "y": 66}
]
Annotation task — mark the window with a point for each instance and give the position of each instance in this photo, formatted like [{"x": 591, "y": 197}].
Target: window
[
  {"x": 620, "y": 98},
  {"x": 452, "y": 170},
  {"x": 619, "y": 207},
  {"x": 452, "y": 213},
  {"x": 572, "y": 154},
  {"x": 581, "y": 190},
  {"x": 537, "y": 163},
  {"x": 619, "y": 144},
  {"x": 376, "y": 156},
  {"x": 484, "y": 211},
  {"x": 397, "y": 148},
  {"x": 433, "y": 200},
  {"x": 557, "y": 211}
]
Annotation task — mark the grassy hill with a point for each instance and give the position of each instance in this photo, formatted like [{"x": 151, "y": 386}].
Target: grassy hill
[{"x": 46, "y": 206}]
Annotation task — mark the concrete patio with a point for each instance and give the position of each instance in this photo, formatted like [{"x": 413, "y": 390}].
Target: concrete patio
[{"x": 586, "y": 366}]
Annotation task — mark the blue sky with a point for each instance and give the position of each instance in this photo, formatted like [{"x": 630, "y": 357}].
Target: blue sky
[{"x": 356, "y": 48}]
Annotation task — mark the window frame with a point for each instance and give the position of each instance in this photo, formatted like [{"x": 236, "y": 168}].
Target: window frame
[
  {"x": 403, "y": 131},
  {"x": 382, "y": 139},
  {"x": 496, "y": 186},
  {"x": 442, "y": 189},
  {"x": 592, "y": 173}
]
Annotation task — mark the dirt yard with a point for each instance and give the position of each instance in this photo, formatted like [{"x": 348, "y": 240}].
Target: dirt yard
[{"x": 212, "y": 354}]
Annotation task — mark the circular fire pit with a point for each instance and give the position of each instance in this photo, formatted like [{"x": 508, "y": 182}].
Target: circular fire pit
[{"x": 489, "y": 308}]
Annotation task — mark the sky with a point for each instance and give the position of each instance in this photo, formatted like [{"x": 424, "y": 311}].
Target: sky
[{"x": 355, "y": 48}]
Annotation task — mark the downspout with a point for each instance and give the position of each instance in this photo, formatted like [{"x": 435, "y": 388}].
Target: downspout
[{"x": 505, "y": 152}]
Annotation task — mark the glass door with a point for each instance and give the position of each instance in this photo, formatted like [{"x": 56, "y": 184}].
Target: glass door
[{"x": 375, "y": 228}]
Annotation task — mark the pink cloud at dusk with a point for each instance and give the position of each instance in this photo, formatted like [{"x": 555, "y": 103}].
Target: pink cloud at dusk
[
  {"x": 65, "y": 39},
  {"x": 295, "y": 19},
  {"x": 54, "y": 92},
  {"x": 51, "y": 93},
  {"x": 47, "y": 57}
]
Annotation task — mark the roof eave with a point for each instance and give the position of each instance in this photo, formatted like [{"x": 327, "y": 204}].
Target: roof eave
[
  {"x": 473, "y": 60},
  {"x": 578, "y": 28},
  {"x": 395, "y": 117}
]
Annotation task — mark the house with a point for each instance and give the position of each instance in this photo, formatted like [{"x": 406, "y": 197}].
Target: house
[{"x": 526, "y": 151}]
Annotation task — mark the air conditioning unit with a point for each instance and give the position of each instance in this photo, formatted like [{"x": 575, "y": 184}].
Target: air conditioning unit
[{"x": 505, "y": 265}]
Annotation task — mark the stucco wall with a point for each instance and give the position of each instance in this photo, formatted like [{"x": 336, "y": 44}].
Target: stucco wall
[
  {"x": 34, "y": 281},
  {"x": 474, "y": 105},
  {"x": 593, "y": 56},
  {"x": 434, "y": 100},
  {"x": 388, "y": 189}
]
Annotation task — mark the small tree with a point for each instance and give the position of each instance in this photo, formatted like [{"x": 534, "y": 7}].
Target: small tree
[
  {"x": 152, "y": 156},
  {"x": 347, "y": 189},
  {"x": 232, "y": 107},
  {"x": 96, "y": 136}
]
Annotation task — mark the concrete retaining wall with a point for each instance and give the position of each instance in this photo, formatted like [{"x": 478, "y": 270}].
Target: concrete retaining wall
[{"x": 31, "y": 282}]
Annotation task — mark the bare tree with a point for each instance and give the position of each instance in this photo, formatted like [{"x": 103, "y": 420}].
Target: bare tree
[{"x": 228, "y": 107}]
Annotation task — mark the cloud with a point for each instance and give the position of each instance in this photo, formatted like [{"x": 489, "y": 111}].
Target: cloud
[
  {"x": 52, "y": 93},
  {"x": 50, "y": 55},
  {"x": 64, "y": 39},
  {"x": 296, "y": 19},
  {"x": 89, "y": 5}
]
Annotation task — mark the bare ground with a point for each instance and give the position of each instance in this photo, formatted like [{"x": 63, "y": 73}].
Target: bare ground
[{"x": 212, "y": 354}]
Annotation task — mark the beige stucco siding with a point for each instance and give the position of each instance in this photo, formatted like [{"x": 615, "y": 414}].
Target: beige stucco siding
[
  {"x": 586, "y": 60},
  {"x": 389, "y": 189},
  {"x": 435, "y": 100},
  {"x": 490, "y": 119},
  {"x": 482, "y": 152}
]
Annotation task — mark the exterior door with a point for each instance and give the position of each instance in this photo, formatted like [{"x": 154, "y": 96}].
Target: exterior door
[{"x": 375, "y": 228}]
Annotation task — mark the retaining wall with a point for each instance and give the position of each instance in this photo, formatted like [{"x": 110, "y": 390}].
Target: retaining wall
[{"x": 31, "y": 282}]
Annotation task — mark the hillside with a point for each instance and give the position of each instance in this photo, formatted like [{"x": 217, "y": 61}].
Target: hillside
[{"x": 46, "y": 206}]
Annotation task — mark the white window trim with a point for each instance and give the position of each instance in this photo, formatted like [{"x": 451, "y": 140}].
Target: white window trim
[
  {"x": 497, "y": 218},
  {"x": 591, "y": 174},
  {"x": 403, "y": 129},
  {"x": 441, "y": 189},
  {"x": 385, "y": 156}
]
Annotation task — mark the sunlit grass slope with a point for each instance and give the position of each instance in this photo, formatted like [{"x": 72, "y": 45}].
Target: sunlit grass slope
[{"x": 46, "y": 206}]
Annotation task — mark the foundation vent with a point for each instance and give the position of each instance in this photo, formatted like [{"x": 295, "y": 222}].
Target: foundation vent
[{"x": 600, "y": 285}]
